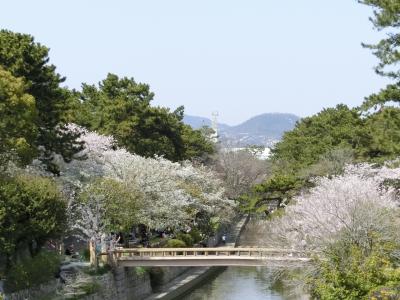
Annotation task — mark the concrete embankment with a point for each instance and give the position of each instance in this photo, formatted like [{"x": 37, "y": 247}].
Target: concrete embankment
[{"x": 185, "y": 283}]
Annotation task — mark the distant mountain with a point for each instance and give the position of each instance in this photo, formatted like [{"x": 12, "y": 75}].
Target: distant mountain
[{"x": 263, "y": 130}]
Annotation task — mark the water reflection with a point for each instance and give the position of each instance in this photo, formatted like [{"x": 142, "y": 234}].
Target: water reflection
[{"x": 243, "y": 283}]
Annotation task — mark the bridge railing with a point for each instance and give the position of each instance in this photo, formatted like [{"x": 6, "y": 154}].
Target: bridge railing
[{"x": 146, "y": 253}]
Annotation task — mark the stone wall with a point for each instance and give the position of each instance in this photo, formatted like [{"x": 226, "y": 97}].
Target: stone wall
[
  {"x": 126, "y": 284},
  {"x": 40, "y": 292},
  {"x": 131, "y": 285},
  {"x": 163, "y": 275},
  {"x": 171, "y": 273},
  {"x": 122, "y": 284},
  {"x": 119, "y": 284}
]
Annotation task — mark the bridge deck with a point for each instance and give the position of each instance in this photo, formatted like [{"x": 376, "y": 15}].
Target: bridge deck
[{"x": 131, "y": 257}]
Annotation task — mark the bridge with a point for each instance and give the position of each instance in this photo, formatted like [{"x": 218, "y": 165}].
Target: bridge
[{"x": 194, "y": 257}]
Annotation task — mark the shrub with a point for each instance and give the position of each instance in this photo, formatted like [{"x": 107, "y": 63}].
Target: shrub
[
  {"x": 32, "y": 271},
  {"x": 351, "y": 273},
  {"x": 196, "y": 236},
  {"x": 31, "y": 209},
  {"x": 187, "y": 238},
  {"x": 175, "y": 243}
]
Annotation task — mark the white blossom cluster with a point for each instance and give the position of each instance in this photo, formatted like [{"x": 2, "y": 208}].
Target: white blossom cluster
[
  {"x": 353, "y": 205},
  {"x": 172, "y": 192}
]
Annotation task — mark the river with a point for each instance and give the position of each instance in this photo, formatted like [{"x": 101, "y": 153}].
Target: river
[{"x": 243, "y": 283}]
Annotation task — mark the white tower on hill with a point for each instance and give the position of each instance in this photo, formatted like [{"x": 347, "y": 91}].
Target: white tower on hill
[{"x": 214, "y": 126}]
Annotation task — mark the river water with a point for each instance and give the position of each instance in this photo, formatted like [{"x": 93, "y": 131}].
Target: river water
[{"x": 244, "y": 283}]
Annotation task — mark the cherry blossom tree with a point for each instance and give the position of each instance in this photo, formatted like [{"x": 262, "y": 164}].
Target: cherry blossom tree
[
  {"x": 350, "y": 206},
  {"x": 167, "y": 194}
]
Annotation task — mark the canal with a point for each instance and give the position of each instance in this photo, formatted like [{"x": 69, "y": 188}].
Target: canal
[{"x": 244, "y": 283}]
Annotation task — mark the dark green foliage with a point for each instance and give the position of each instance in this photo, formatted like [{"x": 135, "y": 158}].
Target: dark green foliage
[
  {"x": 121, "y": 107},
  {"x": 384, "y": 135},
  {"x": 175, "y": 243},
  {"x": 26, "y": 59},
  {"x": 32, "y": 272},
  {"x": 372, "y": 138},
  {"x": 206, "y": 224},
  {"x": 316, "y": 135},
  {"x": 389, "y": 94},
  {"x": 196, "y": 144},
  {"x": 31, "y": 212},
  {"x": 18, "y": 130},
  {"x": 196, "y": 236},
  {"x": 186, "y": 238},
  {"x": 278, "y": 188},
  {"x": 350, "y": 273}
]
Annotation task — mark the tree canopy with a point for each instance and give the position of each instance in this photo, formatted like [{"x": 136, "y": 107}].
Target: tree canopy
[
  {"x": 113, "y": 188},
  {"x": 31, "y": 212},
  {"x": 122, "y": 108},
  {"x": 18, "y": 130},
  {"x": 316, "y": 135},
  {"x": 24, "y": 58}
]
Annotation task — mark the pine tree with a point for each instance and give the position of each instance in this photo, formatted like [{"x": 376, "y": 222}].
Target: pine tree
[
  {"x": 386, "y": 17},
  {"x": 26, "y": 59}
]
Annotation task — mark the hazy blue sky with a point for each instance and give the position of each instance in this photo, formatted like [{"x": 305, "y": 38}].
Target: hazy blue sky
[{"x": 240, "y": 58}]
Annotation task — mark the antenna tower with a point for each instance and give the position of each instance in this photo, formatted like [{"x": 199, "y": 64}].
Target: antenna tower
[{"x": 214, "y": 126}]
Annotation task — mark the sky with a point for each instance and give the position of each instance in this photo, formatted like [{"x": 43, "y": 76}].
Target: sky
[{"x": 240, "y": 58}]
